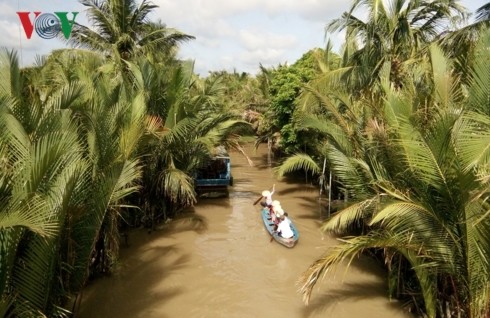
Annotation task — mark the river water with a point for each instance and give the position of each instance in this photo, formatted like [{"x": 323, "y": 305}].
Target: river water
[{"x": 217, "y": 260}]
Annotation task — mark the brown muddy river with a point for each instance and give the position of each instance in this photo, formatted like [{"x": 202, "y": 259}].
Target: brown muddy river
[{"x": 217, "y": 261}]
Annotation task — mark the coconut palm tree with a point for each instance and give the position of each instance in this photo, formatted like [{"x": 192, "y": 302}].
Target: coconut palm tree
[
  {"x": 187, "y": 136},
  {"x": 460, "y": 43},
  {"x": 122, "y": 30},
  {"x": 70, "y": 153},
  {"x": 395, "y": 31}
]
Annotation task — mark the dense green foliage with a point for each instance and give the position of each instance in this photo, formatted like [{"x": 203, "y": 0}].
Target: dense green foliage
[
  {"x": 95, "y": 140},
  {"x": 90, "y": 141},
  {"x": 285, "y": 83},
  {"x": 404, "y": 128}
]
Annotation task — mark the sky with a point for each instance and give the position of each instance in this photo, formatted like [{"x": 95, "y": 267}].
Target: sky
[{"x": 230, "y": 34}]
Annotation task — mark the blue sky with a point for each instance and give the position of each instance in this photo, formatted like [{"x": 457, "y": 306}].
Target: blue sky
[{"x": 230, "y": 34}]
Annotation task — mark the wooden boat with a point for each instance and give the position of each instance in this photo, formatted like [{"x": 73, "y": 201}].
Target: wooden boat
[{"x": 269, "y": 225}]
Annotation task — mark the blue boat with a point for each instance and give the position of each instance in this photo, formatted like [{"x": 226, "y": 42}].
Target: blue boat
[
  {"x": 215, "y": 176},
  {"x": 269, "y": 225}
]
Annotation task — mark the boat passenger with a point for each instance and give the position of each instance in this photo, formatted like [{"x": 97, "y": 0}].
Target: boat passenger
[
  {"x": 274, "y": 206},
  {"x": 276, "y": 203},
  {"x": 286, "y": 217},
  {"x": 276, "y": 214},
  {"x": 284, "y": 228},
  {"x": 279, "y": 212}
]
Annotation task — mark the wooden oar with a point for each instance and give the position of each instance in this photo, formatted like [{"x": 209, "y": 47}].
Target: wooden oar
[{"x": 258, "y": 200}]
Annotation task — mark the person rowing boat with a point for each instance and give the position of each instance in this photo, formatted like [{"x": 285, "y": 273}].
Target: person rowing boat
[{"x": 267, "y": 196}]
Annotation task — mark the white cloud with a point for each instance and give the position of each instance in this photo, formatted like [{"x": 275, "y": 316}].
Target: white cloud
[
  {"x": 10, "y": 34},
  {"x": 248, "y": 33},
  {"x": 7, "y": 10},
  {"x": 230, "y": 34},
  {"x": 316, "y": 10},
  {"x": 204, "y": 9},
  {"x": 212, "y": 29},
  {"x": 254, "y": 39},
  {"x": 13, "y": 37},
  {"x": 267, "y": 56}
]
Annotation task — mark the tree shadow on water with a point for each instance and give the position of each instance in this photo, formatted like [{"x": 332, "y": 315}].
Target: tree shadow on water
[
  {"x": 372, "y": 285},
  {"x": 220, "y": 200},
  {"x": 343, "y": 295},
  {"x": 297, "y": 190},
  {"x": 140, "y": 304},
  {"x": 137, "y": 287},
  {"x": 327, "y": 302},
  {"x": 185, "y": 222}
]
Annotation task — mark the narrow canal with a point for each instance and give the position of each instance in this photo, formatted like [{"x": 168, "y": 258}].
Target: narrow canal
[{"x": 217, "y": 261}]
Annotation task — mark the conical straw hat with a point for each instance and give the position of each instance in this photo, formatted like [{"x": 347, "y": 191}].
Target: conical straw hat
[
  {"x": 279, "y": 211},
  {"x": 276, "y": 203}
]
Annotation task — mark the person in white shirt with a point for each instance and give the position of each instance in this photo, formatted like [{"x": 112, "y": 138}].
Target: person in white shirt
[
  {"x": 286, "y": 217},
  {"x": 284, "y": 228}
]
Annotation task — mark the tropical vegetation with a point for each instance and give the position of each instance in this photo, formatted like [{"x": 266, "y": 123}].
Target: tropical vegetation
[
  {"x": 92, "y": 138},
  {"x": 89, "y": 139},
  {"x": 409, "y": 153}
]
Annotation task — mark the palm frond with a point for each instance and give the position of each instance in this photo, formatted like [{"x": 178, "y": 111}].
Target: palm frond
[
  {"x": 298, "y": 162},
  {"x": 107, "y": 191},
  {"x": 125, "y": 177},
  {"x": 472, "y": 138},
  {"x": 421, "y": 159},
  {"x": 331, "y": 107},
  {"x": 352, "y": 247},
  {"x": 479, "y": 94},
  {"x": 32, "y": 215},
  {"x": 445, "y": 90},
  {"x": 353, "y": 215},
  {"x": 180, "y": 130},
  {"x": 10, "y": 73},
  {"x": 178, "y": 186},
  {"x": 335, "y": 134},
  {"x": 478, "y": 264},
  {"x": 353, "y": 173}
]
